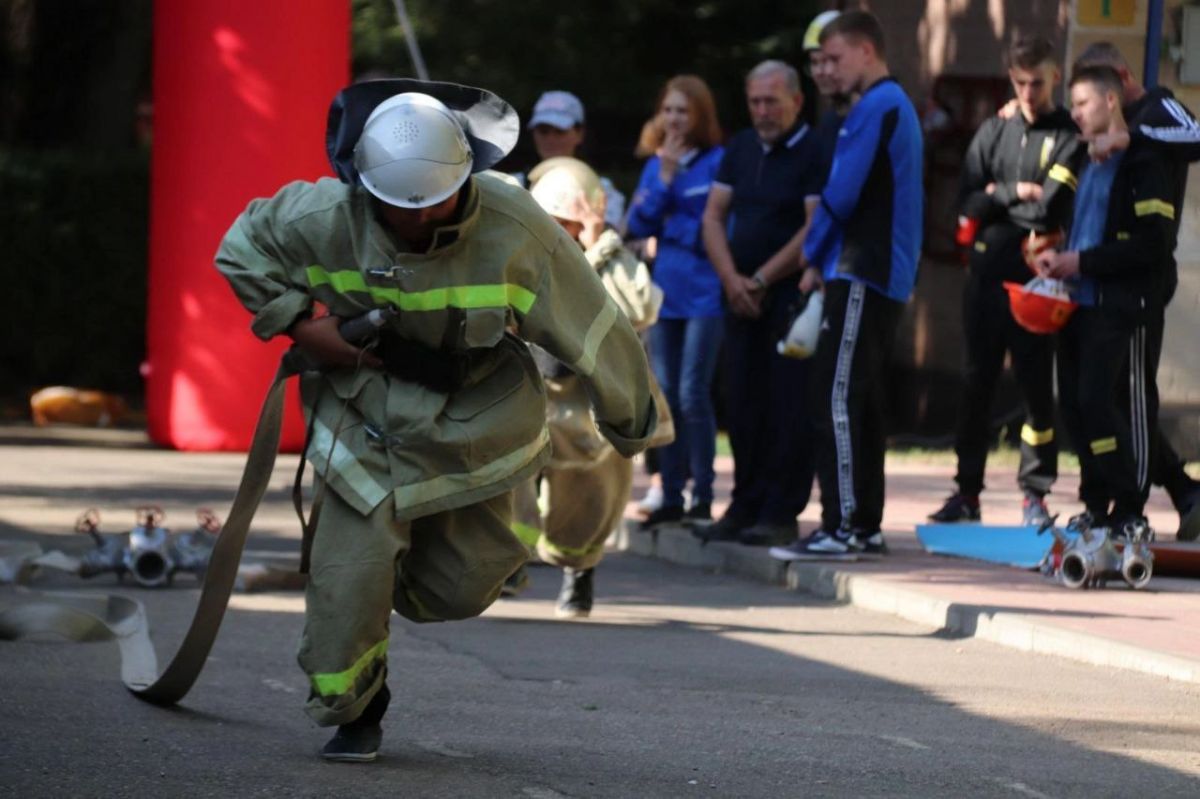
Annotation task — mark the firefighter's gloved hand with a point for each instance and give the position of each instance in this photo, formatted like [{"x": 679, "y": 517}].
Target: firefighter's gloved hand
[{"x": 321, "y": 341}]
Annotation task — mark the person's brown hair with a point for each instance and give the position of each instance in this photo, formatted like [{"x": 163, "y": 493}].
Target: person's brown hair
[
  {"x": 859, "y": 26},
  {"x": 1103, "y": 77},
  {"x": 1029, "y": 52},
  {"x": 706, "y": 129}
]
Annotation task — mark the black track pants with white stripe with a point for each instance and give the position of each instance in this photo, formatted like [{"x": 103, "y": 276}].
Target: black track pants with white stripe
[
  {"x": 1107, "y": 363},
  {"x": 849, "y": 391}
]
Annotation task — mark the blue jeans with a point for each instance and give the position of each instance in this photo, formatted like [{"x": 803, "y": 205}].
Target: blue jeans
[{"x": 683, "y": 353}]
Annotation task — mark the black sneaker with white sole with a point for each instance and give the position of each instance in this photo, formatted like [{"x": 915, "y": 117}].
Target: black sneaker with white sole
[
  {"x": 821, "y": 545},
  {"x": 358, "y": 741}
]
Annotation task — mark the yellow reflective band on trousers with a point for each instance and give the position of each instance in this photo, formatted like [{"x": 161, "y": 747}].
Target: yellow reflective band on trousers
[
  {"x": 1035, "y": 438},
  {"x": 342, "y": 681},
  {"x": 1063, "y": 175},
  {"x": 528, "y": 534},
  {"x": 573, "y": 552},
  {"x": 1162, "y": 207},
  {"x": 1103, "y": 445},
  {"x": 492, "y": 295}
]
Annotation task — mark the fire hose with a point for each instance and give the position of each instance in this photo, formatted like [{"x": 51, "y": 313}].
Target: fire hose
[{"x": 91, "y": 617}]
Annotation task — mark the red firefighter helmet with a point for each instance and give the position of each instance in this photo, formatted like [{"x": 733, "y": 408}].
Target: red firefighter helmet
[{"x": 1040, "y": 306}]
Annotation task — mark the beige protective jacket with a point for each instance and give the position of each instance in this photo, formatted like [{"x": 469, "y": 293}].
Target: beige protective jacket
[{"x": 506, "y": 266}]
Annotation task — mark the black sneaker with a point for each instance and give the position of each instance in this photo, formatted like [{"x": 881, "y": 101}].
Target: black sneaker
[
  {"x": 358, "y": 741},
  {"x": 820, "y": 545},
  {"x": 1088, "y": 520},
  {"x": 872, "y": 543},
  {"x": 1189, "y": 517},
  {"x": 575, "y": 598},
  {"x": 1132, "y": 529},
  {"x": 699, "y": 512},
  {"x": 668, "y": 514},
  {"x": 1034, "y": 512},
  {"x": 727, "y": 528},
  {"x": 768, "y": 535},
  {"x": 957, "y": 508},
  {"x": 517, "y": 582}
]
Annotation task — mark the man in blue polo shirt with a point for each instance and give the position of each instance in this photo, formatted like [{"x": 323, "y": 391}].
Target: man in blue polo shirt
[{"x": 754, "y": 225}]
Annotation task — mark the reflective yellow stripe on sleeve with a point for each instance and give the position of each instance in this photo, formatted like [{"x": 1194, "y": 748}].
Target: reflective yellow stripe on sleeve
[
  {"x": 586, "y": 363},
  {"x": 493, "y": 295},
  {"x": 339, "y": 682},
  {"x": 1064, "y": 176},
  {"x": 1162, "y": 207},
  {"x": 1103, "y": 445},
  {"x": 1035, "y": 438}
]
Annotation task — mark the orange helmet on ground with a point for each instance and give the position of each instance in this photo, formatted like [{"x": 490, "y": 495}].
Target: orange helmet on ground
[{"x": 1042, "y": 305}]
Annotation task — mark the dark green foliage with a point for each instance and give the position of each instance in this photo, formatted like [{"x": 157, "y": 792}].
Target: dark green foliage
[
  {"x": 615, "y": 55},
  {"x": 73, "y": 266}
]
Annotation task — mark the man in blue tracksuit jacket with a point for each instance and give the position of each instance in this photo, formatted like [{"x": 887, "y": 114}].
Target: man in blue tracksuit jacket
[{"x": 864, "y": 245}]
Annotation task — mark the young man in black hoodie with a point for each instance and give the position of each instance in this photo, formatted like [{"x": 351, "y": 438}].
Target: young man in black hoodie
[
  {"x": 1018, "y": 180},
  {"x": 1117, "y": 264},
  {"x": 1156, "y": 119}
]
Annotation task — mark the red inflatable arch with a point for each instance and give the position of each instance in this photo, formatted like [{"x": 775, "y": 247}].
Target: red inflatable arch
[{"x": 241, "y": 91}]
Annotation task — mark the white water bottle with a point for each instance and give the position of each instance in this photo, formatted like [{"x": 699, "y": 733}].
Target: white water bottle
[{"x": 801, "y": 338}]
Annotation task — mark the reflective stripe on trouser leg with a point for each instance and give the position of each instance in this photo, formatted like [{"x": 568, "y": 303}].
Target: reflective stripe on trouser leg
[
  {"x": 347, "y": 605},
  {"x": 458, "y": 561},
  {"x": 840, "y": 403},
  {"x": 1138, "y": 421}
]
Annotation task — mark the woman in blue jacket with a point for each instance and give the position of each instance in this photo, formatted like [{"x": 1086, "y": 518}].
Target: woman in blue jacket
[{"x": 683, "y": 142}]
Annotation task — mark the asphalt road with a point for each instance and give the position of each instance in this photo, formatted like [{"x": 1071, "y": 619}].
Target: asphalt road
[{"x": 683, "y": 684}]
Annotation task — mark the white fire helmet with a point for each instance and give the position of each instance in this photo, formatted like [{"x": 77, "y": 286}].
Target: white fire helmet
[
  {"x": 412, "y": 152},
  {"x": 562, "y": 186},
  {"x": 812, "y": 36}
]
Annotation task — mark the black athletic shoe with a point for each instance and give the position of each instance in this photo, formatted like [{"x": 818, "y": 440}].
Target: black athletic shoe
[
  {"x": 768, "y": 535},
  {"x": 575, "y": 598},
  {"x": 358, "y": 741},
  {"x": 517, "y": 582},
  {"x": 727, "y": 528},
  {"x": 699, "y": 513},
  {"x": 1189, "y": 517},
  {"x": 957, "y": 508},
  {"x": 668, "y": 514}
]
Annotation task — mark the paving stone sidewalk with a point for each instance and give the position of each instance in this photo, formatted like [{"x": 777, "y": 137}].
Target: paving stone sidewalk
[{"x": 1152, "y": 631}]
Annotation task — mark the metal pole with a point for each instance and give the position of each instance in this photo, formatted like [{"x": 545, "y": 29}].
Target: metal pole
[
  {"x": 410, "y": 38},
  {"x": 1154, "y": 23}
]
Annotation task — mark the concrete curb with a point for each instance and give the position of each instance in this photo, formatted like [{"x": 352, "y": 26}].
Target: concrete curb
[{"x": 1015, "y": 630}]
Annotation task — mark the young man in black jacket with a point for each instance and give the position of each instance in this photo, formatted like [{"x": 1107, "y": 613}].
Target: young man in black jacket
[
  {"x": 1156, "y": 119},
  {"x": 1117, "y": 263},
  {"x": 1018, "y": 181}
]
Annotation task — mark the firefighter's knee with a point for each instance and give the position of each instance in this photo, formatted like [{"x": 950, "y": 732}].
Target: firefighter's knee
[{"x": 470, "y": 595}]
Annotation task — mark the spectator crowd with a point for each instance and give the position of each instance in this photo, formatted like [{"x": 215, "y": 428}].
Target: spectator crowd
[{"x": 1068, "y": 219}]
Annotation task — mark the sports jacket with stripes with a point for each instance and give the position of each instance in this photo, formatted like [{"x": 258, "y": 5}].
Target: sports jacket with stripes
[{"x": 868, "y": 226}]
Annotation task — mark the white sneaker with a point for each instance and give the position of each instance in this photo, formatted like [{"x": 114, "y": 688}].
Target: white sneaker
[{"x": 652, "y": 501}]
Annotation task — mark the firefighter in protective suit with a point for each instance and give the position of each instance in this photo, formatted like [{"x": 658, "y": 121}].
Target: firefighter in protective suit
[
  {"x": 569, "y": 510},
  {"x": 418, "y": 440}
]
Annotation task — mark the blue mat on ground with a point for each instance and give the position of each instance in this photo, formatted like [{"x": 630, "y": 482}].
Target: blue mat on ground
[{"x": 1012, "y": 546}]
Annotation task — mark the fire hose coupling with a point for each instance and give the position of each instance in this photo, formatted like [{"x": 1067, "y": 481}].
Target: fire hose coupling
[
  {"x": 1090, "y": 558},
  {"x": 149, "y": 552}
]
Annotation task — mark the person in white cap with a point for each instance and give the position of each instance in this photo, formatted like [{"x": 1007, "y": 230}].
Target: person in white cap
[
  {"x": 419, "y": 438},
  {"x": 557, "y": 125}
]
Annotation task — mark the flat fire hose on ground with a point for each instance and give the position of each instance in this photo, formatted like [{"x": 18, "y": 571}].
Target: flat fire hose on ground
[{"x": 95, "y": 617}]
